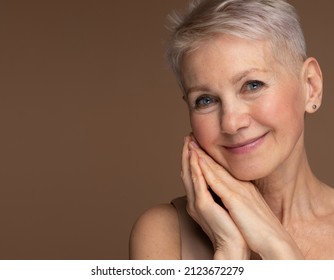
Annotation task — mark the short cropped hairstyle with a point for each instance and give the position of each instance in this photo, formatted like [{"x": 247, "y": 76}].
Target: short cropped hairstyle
[{"x": 273, "y": 20}]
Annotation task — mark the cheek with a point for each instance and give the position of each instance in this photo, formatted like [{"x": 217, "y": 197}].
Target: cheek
[
  {"x": 205, "y": 129},
  {"x": 282, "y": 111}
]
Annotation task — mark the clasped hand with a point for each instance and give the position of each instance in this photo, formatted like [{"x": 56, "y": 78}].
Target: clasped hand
[{"x": 244, "y": 223}]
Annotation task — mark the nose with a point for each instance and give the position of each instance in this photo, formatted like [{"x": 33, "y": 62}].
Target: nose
[{"x": 234, "y": 119}]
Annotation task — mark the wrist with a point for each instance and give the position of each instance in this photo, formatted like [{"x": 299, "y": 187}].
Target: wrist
[
  {"x": 282, "y": 250},
  {"x": 234, "y": 253}
]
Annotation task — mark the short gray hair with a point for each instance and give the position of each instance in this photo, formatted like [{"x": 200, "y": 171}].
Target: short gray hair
[{"x": 273, "y": 20}]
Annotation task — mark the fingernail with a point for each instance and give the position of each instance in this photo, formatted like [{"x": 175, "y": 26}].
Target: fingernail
[{"x": 194, "y": 144}]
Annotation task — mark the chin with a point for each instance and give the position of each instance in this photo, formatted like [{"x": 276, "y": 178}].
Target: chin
[{"x": 248, "y": 174}]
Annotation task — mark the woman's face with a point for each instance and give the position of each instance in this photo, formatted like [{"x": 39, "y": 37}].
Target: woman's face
[{"x": 246, "y": 109}]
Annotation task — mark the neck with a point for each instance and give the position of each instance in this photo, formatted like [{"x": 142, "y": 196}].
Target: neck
[{"x": 292, "y": 191}]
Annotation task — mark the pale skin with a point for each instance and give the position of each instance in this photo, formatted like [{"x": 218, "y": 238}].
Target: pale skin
[{"x": 247, "y": 113}]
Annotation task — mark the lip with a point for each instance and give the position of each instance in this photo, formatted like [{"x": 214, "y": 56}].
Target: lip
[{"x": 246, "y": 146}]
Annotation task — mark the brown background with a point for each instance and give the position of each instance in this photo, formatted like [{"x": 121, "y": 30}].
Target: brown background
[{"x": 92, "y": 122}]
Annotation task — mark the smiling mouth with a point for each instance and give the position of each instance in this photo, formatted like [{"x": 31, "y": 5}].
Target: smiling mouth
[{"x": 246, "y": 146}]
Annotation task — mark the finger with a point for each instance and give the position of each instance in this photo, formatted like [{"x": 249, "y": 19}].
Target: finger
[
  {"x": 185, "y": 171},
  {"x": 218, "y": 181},
  {"x": 193, "y": 145},
  {"x": 201, "y": 192},
  {"x": 198, "y": 209},
  {"x": 212, "y": 171},
  {"x": 211, "y": 166},
  {"x": 213, "y": 216}
]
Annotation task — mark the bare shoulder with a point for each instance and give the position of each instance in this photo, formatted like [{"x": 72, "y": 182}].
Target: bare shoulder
[{"x": 156, "y": 235}]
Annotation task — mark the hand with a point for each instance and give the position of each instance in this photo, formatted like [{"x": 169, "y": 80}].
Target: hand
[
  {"x": 226, "y": 238},
  {"x": 247, "y": 224}
]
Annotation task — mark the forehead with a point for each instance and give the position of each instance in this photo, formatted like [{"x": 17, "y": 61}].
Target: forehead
[{"x": 224, "y": 57}]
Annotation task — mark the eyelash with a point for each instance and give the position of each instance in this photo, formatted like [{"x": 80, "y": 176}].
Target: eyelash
[
  {"x": 203, "y": 98},
  {"x": 213, "y": 100},
  {"x": 257, "y": 84}
]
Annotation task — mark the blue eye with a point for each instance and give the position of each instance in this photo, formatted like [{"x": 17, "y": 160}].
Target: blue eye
[
  {"x": 204, "y": 101},
  {"x": 254, "y": 85}
]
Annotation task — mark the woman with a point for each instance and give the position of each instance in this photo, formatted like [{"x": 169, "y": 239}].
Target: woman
[{"x": 248, "y": 83}]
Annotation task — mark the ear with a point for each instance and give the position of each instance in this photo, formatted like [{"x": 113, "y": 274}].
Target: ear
[{"x": 312, "y": 79}]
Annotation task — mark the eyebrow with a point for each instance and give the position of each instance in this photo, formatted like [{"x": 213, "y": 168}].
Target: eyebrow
[
  {"x": 237, "y": 78},
  {"x": 234, "y": 80},
  {"x": 196, "y": 89}
]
